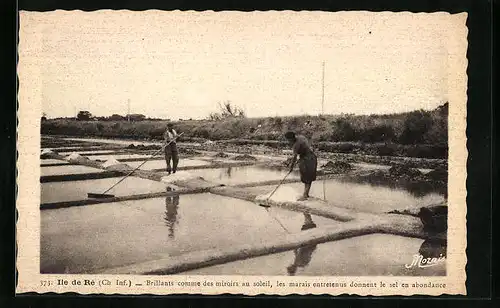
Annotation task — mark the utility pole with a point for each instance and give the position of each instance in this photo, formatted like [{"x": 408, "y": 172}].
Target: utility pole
[
  {"x": 128, "y": 108},
  {"x": 323, "y": 90},
  {"x": 322, "y": 113}
]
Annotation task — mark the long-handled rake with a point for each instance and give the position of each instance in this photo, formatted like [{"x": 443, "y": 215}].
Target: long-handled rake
[
  {"x": 267, "y": 199},
  {"x": 104, "y": 195},
  {"x": 272, "y": 193}
]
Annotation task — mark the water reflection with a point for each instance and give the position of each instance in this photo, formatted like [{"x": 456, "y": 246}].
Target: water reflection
[
  {"x": 415, "y": 188},
  {"x": 303, "y": 255},
  {"x": 430, "y": 248},
  {"x": 171, "y": 205},
  {"x": 224, "y": 173}
]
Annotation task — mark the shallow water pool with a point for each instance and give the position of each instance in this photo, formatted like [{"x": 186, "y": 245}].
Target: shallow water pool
[
  {"x": 363, "y": 197},
  {"x": 118, "y": 156},
  {"x": 161, "y": 164},
  {"x": 49, "y": 161},
  {"x": 101, "y": 152},
  {"x": 78, "y": 190},
  {"x": 369, "y": 255},
  {"x": 83, "y": 239},
  {"x": 112, "y": 141},
  {"x": 367, "y": 166},
  {"x": 241, "y": 175},
  {"x": 66, "y": 170}
]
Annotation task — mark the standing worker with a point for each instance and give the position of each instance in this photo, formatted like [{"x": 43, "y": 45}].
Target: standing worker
[
  {"x": 171, "y": 152},
  {"x": 307, "y": 161}
]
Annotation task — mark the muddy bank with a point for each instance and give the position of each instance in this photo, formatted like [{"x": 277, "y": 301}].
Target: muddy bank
[
  {"x": 438, "y": 175},
  {"x": 434, "y": 217},
  {"x": 278, "y": 148},
  {"x": 55, "y": 143},
  {"x": 405, "y": 172},
  {"x": 402, "y": 167},
  {"x": 245, "y": 157},
  {"x": 411, "y": 180},
  {"x": 221, "y": 155},
  {"x": 328, "y": 167},
  {"x": 142, "y": 147},
  {"x": 355, "y": 147},
  {"x": 396, "y": 176},
  {"x": 337, "y": 167},
  {"x": 413, "y": 162},
  {"x": 416, "y": 212}
]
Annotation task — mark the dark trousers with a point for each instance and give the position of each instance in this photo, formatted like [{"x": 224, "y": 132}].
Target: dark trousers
[
  {"x": 171, "y": 154},
  {"x": 307, "y": 167}
]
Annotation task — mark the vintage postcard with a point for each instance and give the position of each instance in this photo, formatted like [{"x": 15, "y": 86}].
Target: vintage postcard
[{"x": 182, "y": 152}]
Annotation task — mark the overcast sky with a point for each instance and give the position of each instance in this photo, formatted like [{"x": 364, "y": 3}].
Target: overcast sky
[{"x": 180, "y": 64}]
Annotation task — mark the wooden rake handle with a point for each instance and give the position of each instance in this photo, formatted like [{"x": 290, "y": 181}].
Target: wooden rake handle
[
  {"x": 153, "y": 155},
  {"x": 281, "y": 183}
]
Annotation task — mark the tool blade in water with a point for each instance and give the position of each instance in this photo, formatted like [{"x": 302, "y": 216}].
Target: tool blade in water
[{"x": 100, "y": 196}]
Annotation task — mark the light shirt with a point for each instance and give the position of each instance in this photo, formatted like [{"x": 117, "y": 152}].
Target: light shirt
[{"x": 169, "y": 136}]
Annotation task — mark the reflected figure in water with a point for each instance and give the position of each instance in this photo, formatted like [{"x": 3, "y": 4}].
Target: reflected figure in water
[
  {"x": 171, "y": 205},
  {"x": 225, "y": 173},
  {"x": 303, "y": 254}
]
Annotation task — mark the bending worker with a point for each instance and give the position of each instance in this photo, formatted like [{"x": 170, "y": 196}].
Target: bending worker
[
  {"x": 171, "y": 152},
  {"x": 303, "y": 254},
  {"x": 307, "y": 161}
]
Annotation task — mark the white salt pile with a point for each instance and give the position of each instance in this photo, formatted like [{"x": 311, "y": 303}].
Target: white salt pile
[
  {"x": 282, "y": 194},
  {"x": 120, "y": 167},
  {"x": 46, "y": 153},
  {"x": 73, "y": 156},
  {"x": 110, "y": 162},
  {"x": 178, "y": 176}
]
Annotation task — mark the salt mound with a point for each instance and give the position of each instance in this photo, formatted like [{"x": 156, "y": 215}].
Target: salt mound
[
  {"x": 338, "y": 166},
  {"x": 282, "y": 194},
  {"x": 178, "y": 176},
  {"x": 245, "y": 157},
  {"x": 189, "y": 151},
  {"x": 402, "y": 170},
  {"x": 73, "y": 156},
  {"x": 221, "y": 155},
  {"x": 110, "y": 162},
  {"x": 46, "y": 153},
  {"x": 121, "y": 167}
]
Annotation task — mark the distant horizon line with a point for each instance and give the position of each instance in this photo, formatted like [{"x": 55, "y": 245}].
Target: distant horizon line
[{"x": 259, "y": 117}]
